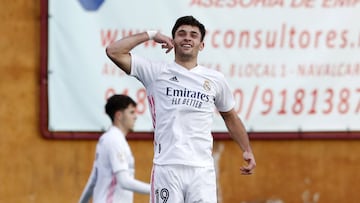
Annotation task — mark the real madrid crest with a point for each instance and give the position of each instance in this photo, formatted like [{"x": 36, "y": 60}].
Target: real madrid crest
[{"x": 207, "y": 86}]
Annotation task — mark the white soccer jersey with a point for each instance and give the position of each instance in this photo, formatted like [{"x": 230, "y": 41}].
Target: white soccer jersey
[
  {"x": 182, "y": 104},
  {"x": 113, "y": 154}
]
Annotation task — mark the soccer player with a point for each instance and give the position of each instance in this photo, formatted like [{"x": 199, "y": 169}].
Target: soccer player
[
  {"x": 112, "y": 176},
  {"x": 182, "y": 96}
]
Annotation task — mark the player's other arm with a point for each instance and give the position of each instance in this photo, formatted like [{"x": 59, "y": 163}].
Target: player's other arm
[
  {"x": 119, "y": 51},
  {"x": 238, "y": 133},
  {"x": 89, "y": 188},
  {"x": 129, "y": 183}
]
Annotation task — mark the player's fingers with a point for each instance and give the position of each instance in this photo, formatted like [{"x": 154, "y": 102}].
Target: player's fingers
[
  {"x": 245, "y": 171},
  {"x": 248, "y": 168},
  {"x": 168, "y": 50},
  {"x": 249, "y": 158},
  {"x": 251, "y": 164},
  {"x": 167, "y": 47}
]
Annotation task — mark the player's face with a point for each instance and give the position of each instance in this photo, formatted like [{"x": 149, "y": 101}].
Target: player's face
[
  {"x": 129, "y": 118},
  {"x": 187, "y": 41}
]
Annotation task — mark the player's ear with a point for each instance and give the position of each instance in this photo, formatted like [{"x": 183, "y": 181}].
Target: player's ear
[
  {"x": 118, "y": 115},
  {"x": 202, "y": 45}
]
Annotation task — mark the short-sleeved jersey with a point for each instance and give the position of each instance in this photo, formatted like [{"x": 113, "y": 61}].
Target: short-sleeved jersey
[
  {"x": 113, "y": 154},
  {"x": 182, "y": 105}
]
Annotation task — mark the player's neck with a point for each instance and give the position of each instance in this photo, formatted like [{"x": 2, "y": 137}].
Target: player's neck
[
  {"x": 188, "y": 64},
  {"x": 124, "y": 130}
]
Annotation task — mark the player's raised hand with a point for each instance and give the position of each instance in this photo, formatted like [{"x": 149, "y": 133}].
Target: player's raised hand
[
  {"x": 251, "y": 164},
  {"x": 165, "y": 41}
]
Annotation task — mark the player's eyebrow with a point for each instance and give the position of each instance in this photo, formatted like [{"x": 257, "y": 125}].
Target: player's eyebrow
[{"x": 192, "y": 32}]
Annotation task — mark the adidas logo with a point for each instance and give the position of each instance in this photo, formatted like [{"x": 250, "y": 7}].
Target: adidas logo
[{"x": 174, "y": 79}]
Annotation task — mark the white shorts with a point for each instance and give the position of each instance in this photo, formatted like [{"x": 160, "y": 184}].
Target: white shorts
[{"x": 183, "y": 184}]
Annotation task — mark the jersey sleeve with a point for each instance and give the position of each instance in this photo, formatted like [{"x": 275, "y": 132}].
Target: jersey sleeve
[
  {"x": 117, "y": 157},
  {"x": 224, "y": 100},
  {"x": 130, "y": 183},
  {"x": 144, "y": 70}
]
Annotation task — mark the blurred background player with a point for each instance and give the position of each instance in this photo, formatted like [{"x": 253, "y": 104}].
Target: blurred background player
[{"x": 112, "y": 176}]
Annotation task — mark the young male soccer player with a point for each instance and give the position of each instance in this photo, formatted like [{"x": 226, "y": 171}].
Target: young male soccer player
[{"x": 182, "y": 96}]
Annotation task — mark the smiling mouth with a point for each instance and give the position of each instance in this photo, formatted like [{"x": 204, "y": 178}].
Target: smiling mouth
[{"x": 186, "y": 46}]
